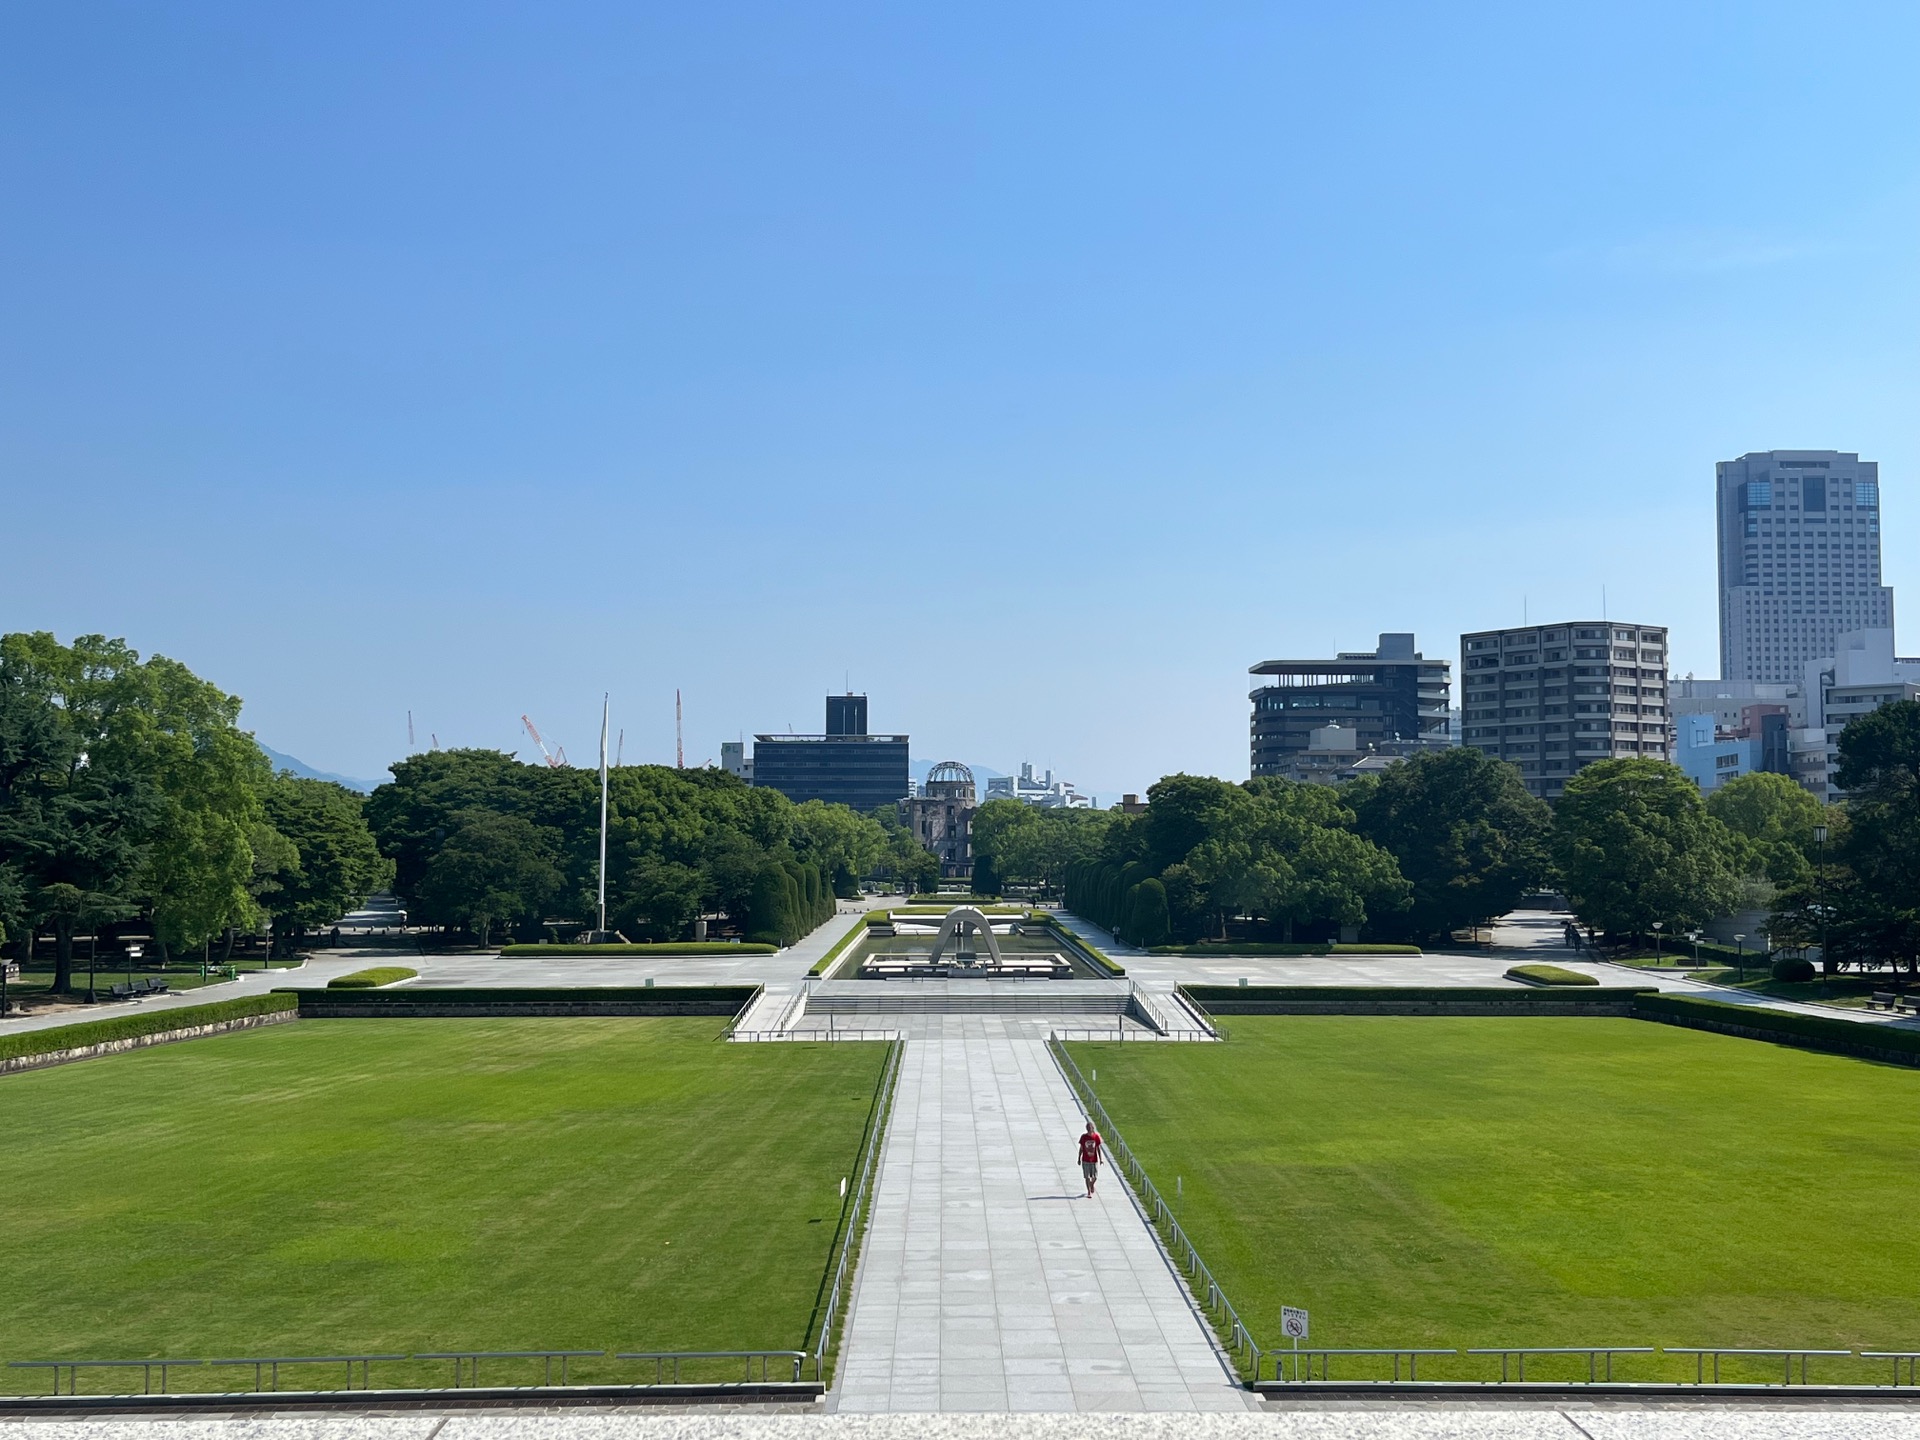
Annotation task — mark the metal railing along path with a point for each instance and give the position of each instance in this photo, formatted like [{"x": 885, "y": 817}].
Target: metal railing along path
[
  {"x": 271, "y": 1366},
  {"x": 767, "y": 1037},
  {"x": 74, "y": 1367},
  {"x": 1413, "y": 1354},
  {"x": 1206, "y": 1290},
  {"x": 862, "y": 1192},
  {"x": 471, "y": 1360},
  {"x": 1081, "y": 1034},
  {"x": 1896, "y": 1356},
  {"x": 661, "y": 1358},
  {"x": 1700, "y": 1354},
  {"x": 1592, "y": 1352}
]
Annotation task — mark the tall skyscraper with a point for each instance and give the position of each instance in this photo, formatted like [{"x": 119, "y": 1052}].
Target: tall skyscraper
[
  {"x": 1552, "y": 699},
  {"x": 1799, "y": 559}
]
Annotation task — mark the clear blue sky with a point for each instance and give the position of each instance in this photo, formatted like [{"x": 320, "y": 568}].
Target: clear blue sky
[{"x": 1038, "y": 367}]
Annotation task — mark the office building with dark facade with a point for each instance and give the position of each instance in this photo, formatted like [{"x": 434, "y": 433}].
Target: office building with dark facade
[
  {"x": 845, "y": 766},
  {"x": 1552, "y": 699},
  {"x": 1393, "y": 697}
]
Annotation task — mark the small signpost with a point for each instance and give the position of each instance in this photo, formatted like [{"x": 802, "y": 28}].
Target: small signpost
[{"x": 1293, "y": 1324}]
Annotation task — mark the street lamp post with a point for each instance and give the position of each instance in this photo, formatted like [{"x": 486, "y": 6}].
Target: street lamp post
[
  {"x": 133, "y": 954},
  {"x": 1740, "y": 954},
  {"x": 1658, "y": 926},
  {"x": 1820, "y": 888},
  {"x": 1694, "y": 936}
]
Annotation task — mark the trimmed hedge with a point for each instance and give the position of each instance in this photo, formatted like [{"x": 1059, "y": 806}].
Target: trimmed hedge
[
  {"x": 1788, "y": 1027},
  {"x": 663, "y": 947},
  {"x": 129, "y": 1027},
  {"x": 1204, "y": 995},
  {"x": 1549, "y": 975},
  {"x": 856, "y": 932},
  {"x": 371, "y": 979},
  {"x": 481, "y": 995},
  {"x": 954, "y": 899},
  {"x": 1793, "y": 969}
]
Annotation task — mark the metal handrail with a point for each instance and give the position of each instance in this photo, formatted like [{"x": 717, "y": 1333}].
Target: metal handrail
[
  {"x": 1413, "y": 1354},
  {"x": 661, "y": 1357},
  {"x": 1896, "y": 1356},
  {"x": 1700, "y": 1354},
  {"x": 764, "y": 1037},
  {"x": 869, "y": 1162},
  {"x": 1590, "y": 1351},
  {"x": 274, "y": 1362},
  {"x": 474, "y": 1357},
  {"x": 74, "y": 1367},
  {"x": 1206, "y": 1290}
]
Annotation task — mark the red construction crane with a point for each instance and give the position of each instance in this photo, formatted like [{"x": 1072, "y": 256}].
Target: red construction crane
[{"x": 551, "y": 761}]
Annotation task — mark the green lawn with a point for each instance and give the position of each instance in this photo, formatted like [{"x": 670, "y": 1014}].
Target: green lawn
[
  {"x": 1472, "y": 1182},
  {"x": 336, "y": 1186}
]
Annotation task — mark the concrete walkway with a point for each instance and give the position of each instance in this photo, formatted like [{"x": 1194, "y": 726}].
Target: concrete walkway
[{"x": 988, "y": 1282}]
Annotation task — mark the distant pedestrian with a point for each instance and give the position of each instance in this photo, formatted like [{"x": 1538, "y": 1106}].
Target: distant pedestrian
[{"x": 1090, "y": 1157}]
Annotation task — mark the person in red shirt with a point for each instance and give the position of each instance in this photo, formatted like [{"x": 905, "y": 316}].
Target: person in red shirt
[{"x": 1090, "y": 1157}]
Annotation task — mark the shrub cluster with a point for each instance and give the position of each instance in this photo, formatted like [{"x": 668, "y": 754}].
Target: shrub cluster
[
  {"x": 1549, "y": 975},
  {"x": 1795, "y": 969},
  {"x": 789, "y": 900},
  {"x": 154, "y": 1022},
  {"x": 372, "y": 979}
]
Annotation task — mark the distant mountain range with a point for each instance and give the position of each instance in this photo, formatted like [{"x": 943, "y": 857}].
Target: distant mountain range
[{"x": 307, "y": 772}]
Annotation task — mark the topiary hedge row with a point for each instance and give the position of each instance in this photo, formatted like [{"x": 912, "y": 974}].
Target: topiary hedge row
[
  {"x": 129, "y": 1027},
  {"x": 371, "y": 979},
  {"x": 789, "y": 900},
  {"x": 1229, "y": 948}
]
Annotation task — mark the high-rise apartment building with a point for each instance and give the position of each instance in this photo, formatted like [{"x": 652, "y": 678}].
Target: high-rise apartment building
[
  {"x": 1799, "y": 559},
  {"x": 1552, "y": 699},
  {"x": 1392, "y": 697}
]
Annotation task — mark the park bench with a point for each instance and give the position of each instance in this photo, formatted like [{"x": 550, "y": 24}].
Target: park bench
[{"x": 1882, "y": 1000}]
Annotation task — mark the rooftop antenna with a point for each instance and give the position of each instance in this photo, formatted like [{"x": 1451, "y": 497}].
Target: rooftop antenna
[
  {"x": 411, "y": 745},
  {"x": 1603, "y": 602},
  {"x": 603, "y": 812},
  {"x": 1523, "y": 610},
  {"x": 679, "y": 734}
]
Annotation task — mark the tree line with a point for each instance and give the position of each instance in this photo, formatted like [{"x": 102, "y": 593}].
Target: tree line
[
  {"x": 484, "y": 843},
  {"x": 130, "y": 796},
  {"x": 1452, "y": 838}
]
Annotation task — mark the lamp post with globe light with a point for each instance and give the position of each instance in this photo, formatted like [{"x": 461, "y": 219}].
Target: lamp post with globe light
[
  {"x": 1658, "y": 926},
  {"x": 1740, "y": 954}
]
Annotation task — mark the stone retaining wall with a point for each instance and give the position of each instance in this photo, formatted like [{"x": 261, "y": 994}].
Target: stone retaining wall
[
  {"x": 138, "y": 1042},
  {"x": 1864, "y": 1048}
]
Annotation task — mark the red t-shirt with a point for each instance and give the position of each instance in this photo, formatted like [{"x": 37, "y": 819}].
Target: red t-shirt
[{"x": 1090, "y": 1149}]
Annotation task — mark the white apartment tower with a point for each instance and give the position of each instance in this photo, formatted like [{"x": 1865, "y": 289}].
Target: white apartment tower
[{"x": 1799, "y": 559}]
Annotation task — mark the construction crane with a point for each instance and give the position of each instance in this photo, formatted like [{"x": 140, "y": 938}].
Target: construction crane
[
  {"x": 411, "y": 745},
  {"x": 679, "y": 741},
  {"x": 553, "y": 761}
]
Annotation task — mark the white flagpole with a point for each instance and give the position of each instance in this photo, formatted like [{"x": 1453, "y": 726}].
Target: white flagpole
[{"x": 603, "y": 813}]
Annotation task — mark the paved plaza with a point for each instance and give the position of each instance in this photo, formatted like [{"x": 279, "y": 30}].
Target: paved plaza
[{"x": 988, "y": 1281}]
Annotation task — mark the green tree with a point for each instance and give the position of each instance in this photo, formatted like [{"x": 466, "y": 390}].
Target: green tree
[
  {"x": 846, "y": 845},
  {"x": 1462, "y": 828},
  {"x": 1148, "y": 922},
  {"x": 1034, "y": 846},
  {"x": 329, "y": 862},
  {"x": 1772, "y": 819},
  {"x": 1880, "y": 772},
  {"x": 155, "y": 728},
  {"x": 494, "y": 868},
  {"x": 1633, "y": 843}
]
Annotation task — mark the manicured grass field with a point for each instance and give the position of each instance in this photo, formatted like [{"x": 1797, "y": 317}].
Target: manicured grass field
[
  {"x": 364, "y": 1186},
  {"x": 1475, "y": 1182}
]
